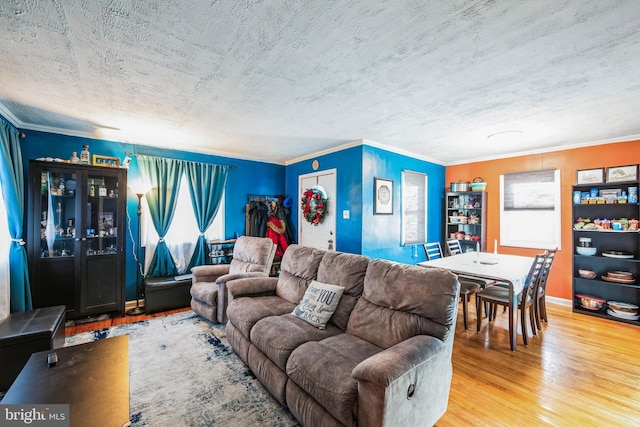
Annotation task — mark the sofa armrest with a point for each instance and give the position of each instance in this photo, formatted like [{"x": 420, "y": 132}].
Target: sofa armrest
[
  {"x": 251, "y": 287},
  {"x": 209, "y": 273},
  {"x": 407, "y": 384},
  {"x": 235, "y": 276},
  {"x": 223, "y": 297}
]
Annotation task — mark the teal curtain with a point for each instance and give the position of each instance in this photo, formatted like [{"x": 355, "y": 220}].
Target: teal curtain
[
  {"x": 12, "y": 181},
  {"x": 164, "y": 175},
  {"x": 206, "y": 186}
]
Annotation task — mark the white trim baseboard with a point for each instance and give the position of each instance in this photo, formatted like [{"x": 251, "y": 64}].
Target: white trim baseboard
[{"x": 559, "y": 301}]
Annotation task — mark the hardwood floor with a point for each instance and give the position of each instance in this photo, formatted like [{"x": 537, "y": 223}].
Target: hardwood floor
[
  {"x": 101, "y": 324},
  {"x": 579, "y": 371}
]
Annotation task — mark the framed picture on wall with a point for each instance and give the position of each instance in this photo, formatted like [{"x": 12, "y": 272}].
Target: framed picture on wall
[
  {"x": 382, "y": 196},
  {"x": 590, "y": 176},
  {"x": 622, "y": 173}
]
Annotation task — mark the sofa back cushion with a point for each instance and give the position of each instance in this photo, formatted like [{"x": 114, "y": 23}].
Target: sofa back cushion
[
  {"x": 346, "y": 270},
  {"x": 298, "y": 267},
  {"x": 252, "y": 254},
  {"x": 400, "y": 301}
]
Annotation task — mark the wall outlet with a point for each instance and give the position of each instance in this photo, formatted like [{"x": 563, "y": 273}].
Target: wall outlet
[{"x": 345, "y": 214}]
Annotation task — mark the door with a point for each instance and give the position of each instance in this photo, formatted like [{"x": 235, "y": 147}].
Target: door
[{"x": 322, "y": 235}]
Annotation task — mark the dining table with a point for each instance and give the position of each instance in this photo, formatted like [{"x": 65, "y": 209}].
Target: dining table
[{"x": 510, "y": 269}]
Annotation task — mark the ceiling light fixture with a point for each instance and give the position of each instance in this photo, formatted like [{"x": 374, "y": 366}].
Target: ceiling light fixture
[{"x": 505, "y": 136}]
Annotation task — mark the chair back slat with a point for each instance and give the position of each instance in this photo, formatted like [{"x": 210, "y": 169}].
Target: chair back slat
[
  {"x": 433, "y": 250},
  {"x": 454, "y": 247},
  {"x": 544, "y": 275},
  {"x": 533, "y": 278}
]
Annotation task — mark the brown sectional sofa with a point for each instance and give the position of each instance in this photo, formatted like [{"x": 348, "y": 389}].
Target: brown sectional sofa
[{"x": 384, "y": 358}]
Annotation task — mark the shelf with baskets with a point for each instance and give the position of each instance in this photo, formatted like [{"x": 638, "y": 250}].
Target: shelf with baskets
[
  {"x": 606, "y": 259},
  {"x": 466, "y": 212}
]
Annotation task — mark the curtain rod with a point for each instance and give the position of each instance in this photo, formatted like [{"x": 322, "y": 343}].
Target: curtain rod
[{"x": 128, "y": 153}]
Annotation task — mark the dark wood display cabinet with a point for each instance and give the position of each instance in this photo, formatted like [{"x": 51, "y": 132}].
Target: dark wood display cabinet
[
  {"x": 605, "y": 219},
  {"x": 76, "y": 237},
  {"x": 466, "y": 213}
]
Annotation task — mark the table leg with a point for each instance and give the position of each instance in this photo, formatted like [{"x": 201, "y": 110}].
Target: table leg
[{"x": 513, "y": 311}]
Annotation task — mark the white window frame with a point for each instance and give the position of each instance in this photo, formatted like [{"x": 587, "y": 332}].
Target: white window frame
[
  {"x": 533, "y": 218},
  {"x": 414, "y": 210}
]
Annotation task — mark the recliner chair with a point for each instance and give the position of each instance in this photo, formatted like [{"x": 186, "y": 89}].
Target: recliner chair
[{"x": 252, "y": 257}]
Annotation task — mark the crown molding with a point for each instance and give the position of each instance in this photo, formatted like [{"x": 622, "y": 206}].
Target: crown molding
[
  {"x": 7, "y": 114},
  {"x": 403, "y": 152},
  {"x": 360, "y": 142},
  {"x": 341, "y": 147},
  {"x": 628, "y": 138}
]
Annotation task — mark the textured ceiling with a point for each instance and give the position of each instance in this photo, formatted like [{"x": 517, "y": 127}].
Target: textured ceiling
[{"x": 280, "y": 80}]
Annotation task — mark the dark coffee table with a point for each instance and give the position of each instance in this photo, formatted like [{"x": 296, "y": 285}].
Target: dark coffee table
[{"x": 92, "y": 378}]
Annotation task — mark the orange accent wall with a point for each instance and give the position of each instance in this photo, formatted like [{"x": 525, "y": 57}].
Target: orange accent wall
[{"x": 568, "y": 161}]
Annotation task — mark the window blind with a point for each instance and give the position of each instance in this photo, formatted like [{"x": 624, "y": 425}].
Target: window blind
[
  {"x": 414, "y": 208},
  {"x": 532, "y": 190}
]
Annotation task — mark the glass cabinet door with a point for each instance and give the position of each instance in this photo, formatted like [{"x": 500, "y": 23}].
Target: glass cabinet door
[
  {"x": 59, "y": 214},
  {"x": 102, "y": 214}
]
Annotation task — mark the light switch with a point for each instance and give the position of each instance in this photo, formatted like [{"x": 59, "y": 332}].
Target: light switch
[{"x": 345, "y": 214}]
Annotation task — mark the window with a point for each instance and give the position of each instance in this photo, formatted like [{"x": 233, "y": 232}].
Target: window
[
  {"x": 414, "y": 208},
  {"x": 183, "y": 232},
  {"x": 530, "y": 209}
]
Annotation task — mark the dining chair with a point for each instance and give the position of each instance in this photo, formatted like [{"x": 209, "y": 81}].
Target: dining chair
[
  {"x": 539, "y": 307},
  {"x": 455, "y": 248},
  {"x": 468, "y": 287},
  {"x": 432, "y": 250},
  {"x": 497, "y": 295}
]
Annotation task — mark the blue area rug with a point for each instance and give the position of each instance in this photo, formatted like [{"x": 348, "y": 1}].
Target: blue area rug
[{"x": 182, "y": 372}]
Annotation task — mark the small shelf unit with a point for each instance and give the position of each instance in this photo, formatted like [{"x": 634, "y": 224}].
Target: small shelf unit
[{"x": 465, "y": 216}]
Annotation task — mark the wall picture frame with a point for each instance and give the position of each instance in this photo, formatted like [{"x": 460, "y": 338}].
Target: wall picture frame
[
  {"x": 590, "y": 176},
  {"x": 622, "y": 173},
  {"x": 382, "y": 196},
  {"x": 108, "y": 161}
]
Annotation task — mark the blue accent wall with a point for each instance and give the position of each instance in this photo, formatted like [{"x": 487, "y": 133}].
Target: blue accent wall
[
  {"x": 377, "y": 236},
  {"x": 348, "y": 165},
  {"x": 248, "y": 177},
  {"x": 381, "y": 234}
]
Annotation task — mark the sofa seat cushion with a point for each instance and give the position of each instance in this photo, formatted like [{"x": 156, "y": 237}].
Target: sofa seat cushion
[
  {"x": 278, "y": 336},
  {"x": 323, "y": 370},
  {"x": 245, "y": 312}
]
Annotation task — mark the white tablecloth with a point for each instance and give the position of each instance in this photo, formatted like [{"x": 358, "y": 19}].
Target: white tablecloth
[{"x": 501, "y": 267}]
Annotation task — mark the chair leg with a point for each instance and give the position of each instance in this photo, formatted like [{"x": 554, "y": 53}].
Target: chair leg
[
  {"x": 523, "y": 323},
  {"x": 532, "y": 320},
  {"x": 478, "y": 313},
  {"x": 493, "y": 308},
  {"x": 543, "y": 309},
  {"x": 536, "y": 312},
  {"x": 465, "y": 309}
]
